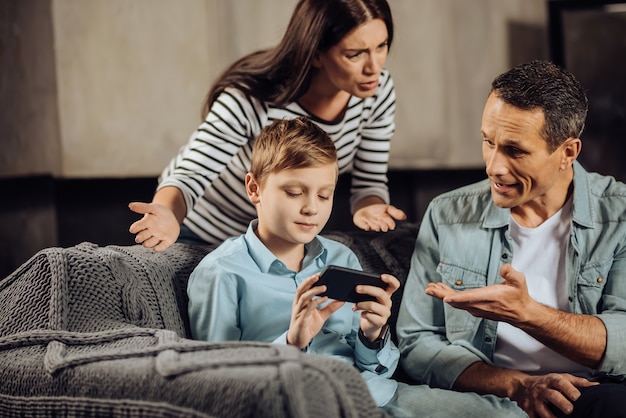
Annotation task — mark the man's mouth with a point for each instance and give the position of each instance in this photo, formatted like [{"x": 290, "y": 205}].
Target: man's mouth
[{"x": 502, "y": 187}]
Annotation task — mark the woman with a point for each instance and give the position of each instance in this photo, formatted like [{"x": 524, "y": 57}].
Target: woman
[{"x": 328, "y": 67}]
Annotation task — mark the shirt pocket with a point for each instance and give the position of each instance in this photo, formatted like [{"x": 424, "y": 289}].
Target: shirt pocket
[
  {"x": 458, "y": 321},
  {"x": 590, "y": 285}
]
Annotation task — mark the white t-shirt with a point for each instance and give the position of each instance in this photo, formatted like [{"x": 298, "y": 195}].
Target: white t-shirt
[{"x": 539, "y": 253}]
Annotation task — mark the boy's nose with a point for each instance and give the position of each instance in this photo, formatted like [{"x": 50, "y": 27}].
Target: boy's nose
[{"x": 310, "y": 208}]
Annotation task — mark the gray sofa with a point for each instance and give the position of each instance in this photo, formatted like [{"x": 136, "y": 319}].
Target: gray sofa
[{"x": 91, "y": 331}]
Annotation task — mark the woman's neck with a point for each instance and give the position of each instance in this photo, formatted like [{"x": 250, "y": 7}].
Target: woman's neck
[{"x": 324, "y": 102}]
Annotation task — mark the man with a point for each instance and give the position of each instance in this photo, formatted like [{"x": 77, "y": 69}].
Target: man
[{"x": 517, "y": 284}]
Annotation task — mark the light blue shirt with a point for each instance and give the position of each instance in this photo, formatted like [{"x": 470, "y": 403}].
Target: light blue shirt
[
  {"x": 464, "y": 240},
  {"x": 241, "y": 291}
]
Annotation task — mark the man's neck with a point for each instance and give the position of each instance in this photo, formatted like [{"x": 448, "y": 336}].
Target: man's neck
[{"x": 534, "y": 213}]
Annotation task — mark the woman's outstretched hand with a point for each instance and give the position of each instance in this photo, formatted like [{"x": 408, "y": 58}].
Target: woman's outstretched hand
[
  {"x": 378, "y": 217},
  {"x": 158, "y": 229}
]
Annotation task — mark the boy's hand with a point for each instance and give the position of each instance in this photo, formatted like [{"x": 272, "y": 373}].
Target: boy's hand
[
  {"x": 158, "y": 229},
  {"x": 375, "y": 314},
  {"x": 306, "y": 319}
]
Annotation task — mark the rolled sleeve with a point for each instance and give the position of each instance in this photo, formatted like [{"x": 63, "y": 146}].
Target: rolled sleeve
[{"x": 614, "y": 362}]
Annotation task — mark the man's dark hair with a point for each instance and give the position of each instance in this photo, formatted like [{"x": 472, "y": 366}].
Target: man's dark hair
[{"x": 544, "y": 85}]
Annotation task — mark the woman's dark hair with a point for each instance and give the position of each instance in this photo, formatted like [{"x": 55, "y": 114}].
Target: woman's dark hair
[
  {"x": 544, "y": 85},
  {"x": 282, "y": 74}
]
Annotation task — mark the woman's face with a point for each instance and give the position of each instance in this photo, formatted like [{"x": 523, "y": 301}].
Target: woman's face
[{"x": 355, "y": 63}]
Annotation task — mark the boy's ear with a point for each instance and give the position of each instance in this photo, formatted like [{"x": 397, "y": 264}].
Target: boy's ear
[{"x": 253, "y": 189}]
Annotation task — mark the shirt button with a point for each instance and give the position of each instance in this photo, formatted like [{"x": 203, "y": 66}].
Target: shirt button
[
  {"x": 505, "y": 256},
  {"x": 458, "y": 282},
  {"x": 600, "y": 279},
  {"x": 571, "y": 299},
  {"x": 488, "y": 339}
]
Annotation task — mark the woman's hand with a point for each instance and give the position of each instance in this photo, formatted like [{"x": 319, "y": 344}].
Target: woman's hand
[
  {"x": 160, "y": 226},
  {"x": 158, "y": 229},
  {"x": 377, "y": 216}
]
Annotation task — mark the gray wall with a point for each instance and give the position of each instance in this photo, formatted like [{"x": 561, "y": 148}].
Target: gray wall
[{"x": 112, "y": 88}]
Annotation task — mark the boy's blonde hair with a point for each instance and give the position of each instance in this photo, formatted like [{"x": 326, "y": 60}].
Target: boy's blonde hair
[{"x": 290, "y": 144}]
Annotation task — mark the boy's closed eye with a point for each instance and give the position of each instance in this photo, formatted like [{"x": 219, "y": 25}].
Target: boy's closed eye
[{"x": 293, "y": 193}]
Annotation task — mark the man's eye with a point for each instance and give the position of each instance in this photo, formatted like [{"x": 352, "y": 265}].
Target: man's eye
[{"x": 488, "y": 142}]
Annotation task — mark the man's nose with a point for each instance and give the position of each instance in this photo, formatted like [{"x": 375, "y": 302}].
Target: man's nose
[{"x": 495, "y": 163}]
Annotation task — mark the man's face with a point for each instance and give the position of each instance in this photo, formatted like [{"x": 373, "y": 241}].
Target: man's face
[
  {"x": 523, "y": 173},
  {"x": 293, "y": 205}
]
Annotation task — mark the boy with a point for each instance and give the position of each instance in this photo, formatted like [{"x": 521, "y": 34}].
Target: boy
[{"x": 260, "y": 286}]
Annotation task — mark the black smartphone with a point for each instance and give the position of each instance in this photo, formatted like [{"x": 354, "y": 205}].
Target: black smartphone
[{"x": 341, "y": 281}]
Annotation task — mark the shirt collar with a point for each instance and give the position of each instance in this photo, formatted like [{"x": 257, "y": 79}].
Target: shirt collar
[
  {"x": 582, "y": 213},
  {"x": 265, "y": 259}
]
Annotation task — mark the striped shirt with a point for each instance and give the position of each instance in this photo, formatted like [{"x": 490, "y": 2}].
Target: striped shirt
[{"x": 210, "y": 169}]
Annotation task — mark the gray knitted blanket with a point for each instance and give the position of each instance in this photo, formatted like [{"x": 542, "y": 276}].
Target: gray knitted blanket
[{"x": 92, "y": 331}]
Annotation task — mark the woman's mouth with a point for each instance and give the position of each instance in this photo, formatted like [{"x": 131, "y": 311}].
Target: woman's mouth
[{"x": 369, "y": 85}]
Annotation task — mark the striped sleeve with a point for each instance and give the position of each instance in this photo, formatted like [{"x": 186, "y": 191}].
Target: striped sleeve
[
  {"x": 232, "y": 123},
  {"x": 369, "y": 171}
]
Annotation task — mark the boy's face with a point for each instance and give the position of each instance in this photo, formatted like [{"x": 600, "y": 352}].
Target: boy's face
[{"x": 293, "y": 205}]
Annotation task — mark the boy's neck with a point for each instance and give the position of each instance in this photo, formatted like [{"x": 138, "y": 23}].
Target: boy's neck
[{"x": 291, "y": 254}]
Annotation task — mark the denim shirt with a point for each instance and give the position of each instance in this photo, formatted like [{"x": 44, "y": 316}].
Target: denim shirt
[
  {"x": 463, "y": 242},
  {"x": 241, "y": 292}
]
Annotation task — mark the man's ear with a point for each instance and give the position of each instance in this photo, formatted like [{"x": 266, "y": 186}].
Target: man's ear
[
  {"x": 253, "y": 189},
  {"x": 571, "y": 150}
]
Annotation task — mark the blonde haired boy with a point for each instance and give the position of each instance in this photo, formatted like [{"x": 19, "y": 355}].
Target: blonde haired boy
[{"x": 260, "y": 286}]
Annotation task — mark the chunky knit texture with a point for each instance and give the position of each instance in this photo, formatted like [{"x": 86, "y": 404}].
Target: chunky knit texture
[{"x": 91, "y": 331}]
